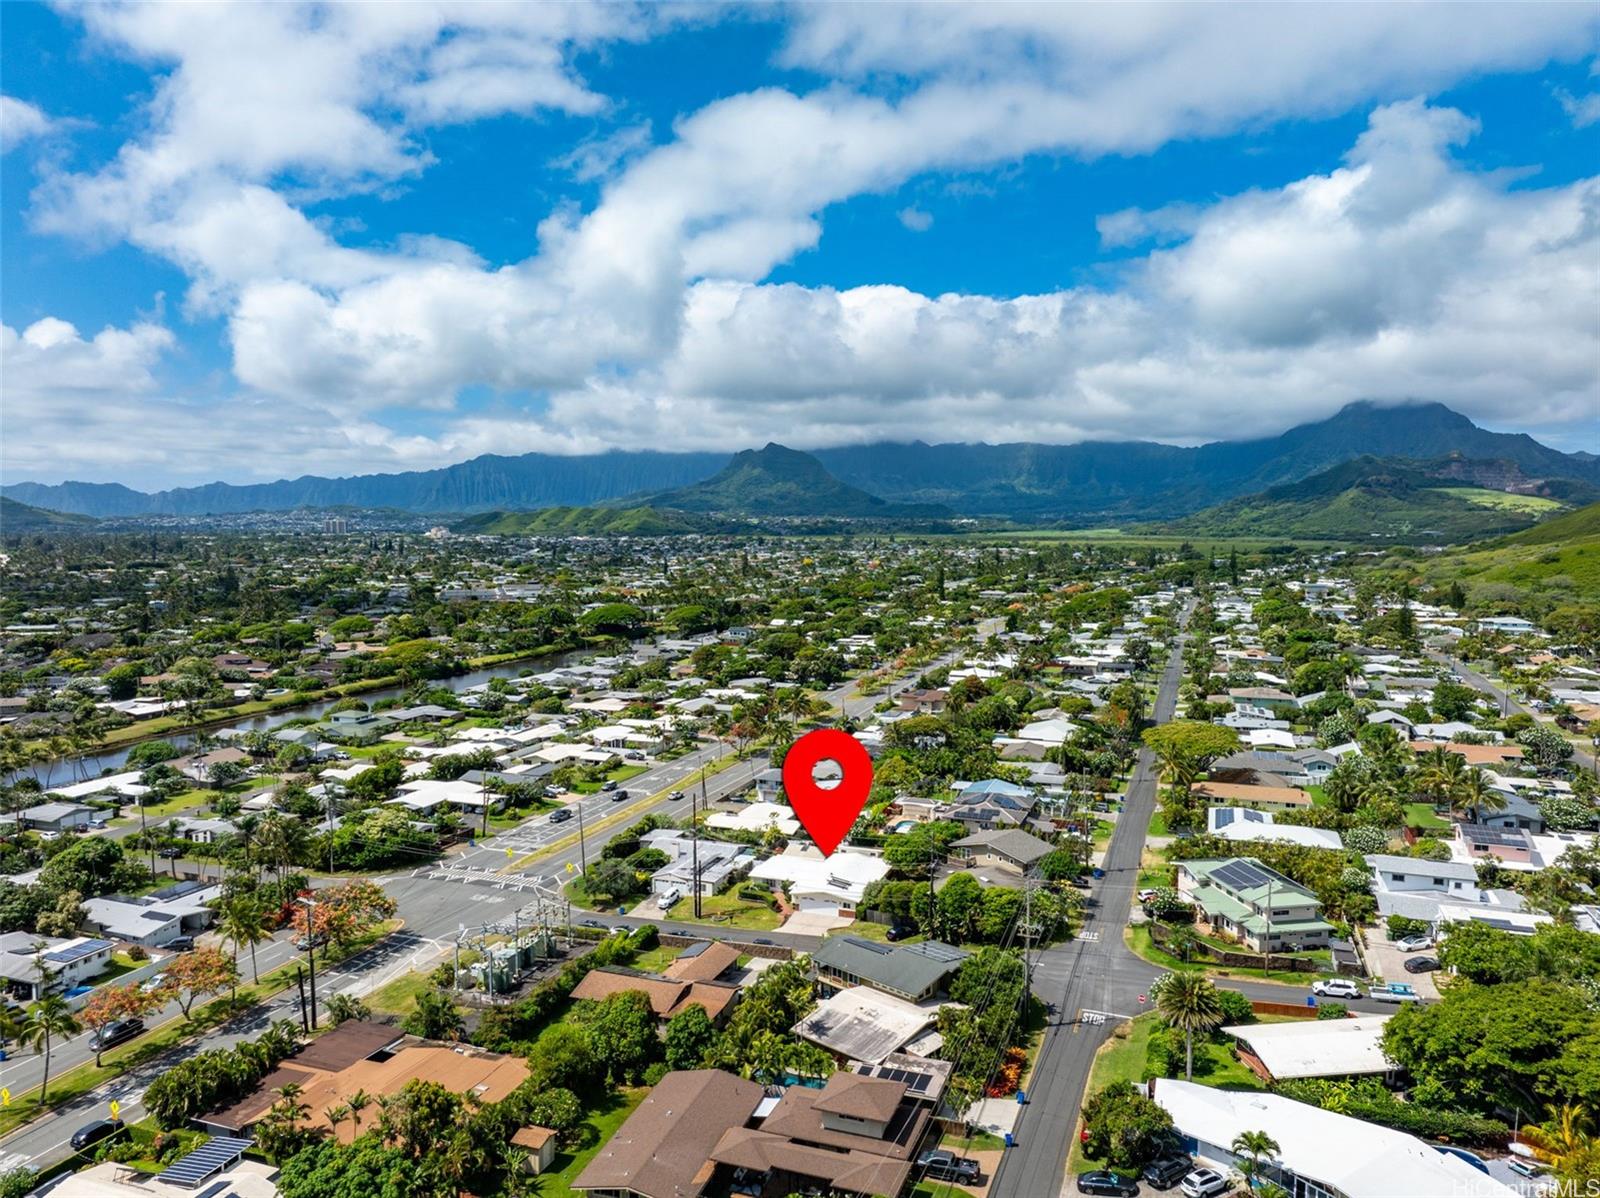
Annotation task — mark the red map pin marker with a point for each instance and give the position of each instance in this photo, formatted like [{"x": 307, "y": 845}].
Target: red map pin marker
[{"x": 827, "y": 814}]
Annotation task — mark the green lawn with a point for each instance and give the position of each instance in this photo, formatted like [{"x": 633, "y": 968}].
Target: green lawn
[
  {"x": 978, "y": 1141},
  {"x": 399, "y": 997},
  {"x": 864, "y": 929},
  {"x": 1158, "y": 824},
  {"x": 593, "y": 1132},
  {"x": 1422, "y": 815},
  {"x": 1319, "y": 796},
  {"x": 939, "y": 1189},
  {"x": 729, "y": 910},
  {"x": 655, "y": 960},
  {"x": 1139, "y": 942}
]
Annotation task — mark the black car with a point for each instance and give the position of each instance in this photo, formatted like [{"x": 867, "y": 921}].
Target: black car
[
  {"x": 762, "y": 940},
  {"x": 180, "y": 944},
  {"x": 1164, "y": 1174},
  {"x": 1421, "y": 964},
  {"x": 93, "y": 1133},
  {"x": 560, "y": 816},
  {"x": 947, "y": 1166},
  {"x": 116, "y": 1032},
  {"x": 590, "y": 923},
  {"x": 171, "y": 854},
  {"x": 618, "y": 795},
  {"x": 1103, "y": 1181}
]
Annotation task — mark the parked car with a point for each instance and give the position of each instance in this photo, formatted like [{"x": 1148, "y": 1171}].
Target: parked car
[
  {"x": 180, "y": 944},
  {"x": 899, "y": 931},
  {"x": 1524, "y": 1168},
  {"x": 306, "y": 943},
  {"x": 762, "y": 940},
  {"x": 1394, "y": 992},
  {"x": 621, "y": 929},
  {"x": 1103, "y": 1181},
  {"x": 1145, "y": 895},
  {"x": 590, "y": 923},
  {"x": 669, "y": 899},
  {"x": 1422, "y": 964},
  {"x": 1414, "y": 944},
  {"x": 947, "y": 1166},
  {"x": 552, "y": 792},
  {"x": 154, "y": 982},
  {"x": 560, "y": 816},
  {"x": 1335, "y": 988},
  {"x": 170, "y": 853},
  {"x": 118, "y": 1031},
  {"x": 1164, "y": 1174},
  {"x": 1204, "y": 1183},
  {"x": 92, "y": 1133}
]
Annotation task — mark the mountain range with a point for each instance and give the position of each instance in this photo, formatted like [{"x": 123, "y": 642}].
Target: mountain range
[
  {"x": 1451, "y": 499},
  {"x": 1083, "y": 483}
]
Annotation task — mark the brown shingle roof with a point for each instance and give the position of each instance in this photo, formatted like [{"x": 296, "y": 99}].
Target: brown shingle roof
[
  {"x": 860, "y": 1097},
  {"x": 667, "y": 996},
  {"x": 853, "y": 1171},
  {"x": 710, "y": 962},
  {"x": 664, "y": 1148},
  {"x": 797, "y": 1118}
]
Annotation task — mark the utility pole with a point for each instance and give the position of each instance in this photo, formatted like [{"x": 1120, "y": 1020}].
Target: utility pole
[
  {"x": 694, "y": 837},
  {"x": 310, "y": 905},
  {"x": 1266, "y": 948},
  {"x": 583, "y": 860},
  {"x": 483, "y": 794}
]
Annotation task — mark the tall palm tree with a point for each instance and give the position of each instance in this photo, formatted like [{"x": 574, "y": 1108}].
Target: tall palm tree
[
  {"x": 358, "y": 1102},
  {"x": 1475, "y": 794},
  {"x": 1254, "y": 1147},
  {"x": 243, "y": 922},
  {"x": 289, "y": 1106},
  {"x": 336, "y": 1115},
  {"x": 48, "y": 1020},
  {"x": 1188, "y": 1002}
]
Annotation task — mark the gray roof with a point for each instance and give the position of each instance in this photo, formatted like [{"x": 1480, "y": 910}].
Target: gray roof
[
  {"x": 1008, "y": 842},
  {"x": 899, "y": 968},
  {"x": 1418, "y": 865}
]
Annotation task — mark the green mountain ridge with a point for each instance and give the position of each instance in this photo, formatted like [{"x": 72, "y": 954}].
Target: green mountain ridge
[
  {"x": 1580, "y": 524},
  {"x": 1394, "y": 499},
  {"x": 18, "y": 518},
  {"x": 591, "y": 521},
  {"x": 778, "y": 481}
]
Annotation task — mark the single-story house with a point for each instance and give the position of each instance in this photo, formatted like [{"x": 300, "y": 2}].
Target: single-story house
[
  {"x": 817, "y": 883},
  {"x": 1319, "y": 1152},
  {"x": 1313, "y": 1047},
  {"x": 32, "y": 965},
  {"x": 155, "y": 919},
  {"x": 56, "y": 817},
  {"x": 1247, "y": 824}
]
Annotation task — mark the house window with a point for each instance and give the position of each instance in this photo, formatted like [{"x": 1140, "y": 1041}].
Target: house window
[
  {"x": 1438, "y": 881},
  {"x": 1399, "y": 877}
]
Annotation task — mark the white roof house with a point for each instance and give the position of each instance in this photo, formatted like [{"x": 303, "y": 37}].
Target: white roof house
[
  {"x": 1049, "y": 732},
  {"x": 819, "y": 883},
  {"x": 756, "y": 817},
  {"x": 1338, "y": 1153},
  {"x": 1248, "y": 824},
  {"x": 1317, "y": 1047}
]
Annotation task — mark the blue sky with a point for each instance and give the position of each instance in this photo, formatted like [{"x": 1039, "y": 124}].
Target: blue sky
[{"x": 271, "y": 240}]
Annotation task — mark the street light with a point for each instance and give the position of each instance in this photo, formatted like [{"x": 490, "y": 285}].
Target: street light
[{"x": 310, "y": 904}]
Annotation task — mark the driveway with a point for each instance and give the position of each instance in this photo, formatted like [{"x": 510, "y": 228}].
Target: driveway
[
  {"x": 815, "y": 923},
  {"x": 1385, "y": 959}
]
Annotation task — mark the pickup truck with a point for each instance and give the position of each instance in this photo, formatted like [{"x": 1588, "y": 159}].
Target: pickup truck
[{"x": 1394, "y": 992}]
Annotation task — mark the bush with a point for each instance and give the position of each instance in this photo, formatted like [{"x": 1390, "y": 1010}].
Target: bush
[
  {"x": 1332, "y": 1010},
  {"x": 1124, "y": 1128},
  {"x": 138, "y": 952},
  {"x": 645, "y": 937},
  {"x": 1236, "y": 1007},
  {"x": 1401, "y": 926},
  {"x": 1367, "y": 1099}
]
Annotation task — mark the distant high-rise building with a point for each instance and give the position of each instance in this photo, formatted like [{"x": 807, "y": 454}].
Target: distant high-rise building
[{"x": 336, "y": 525}]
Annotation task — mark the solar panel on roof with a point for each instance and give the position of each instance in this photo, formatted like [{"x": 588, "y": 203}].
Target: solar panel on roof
[
  {"x": 1224, "y": 817},
  {"x": 1240, "y": 875},
  {"x": 76, "y": 952},
  {"x": 211, "y": 1157}
]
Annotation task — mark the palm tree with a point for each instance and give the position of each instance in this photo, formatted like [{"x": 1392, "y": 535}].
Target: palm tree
[
  {"x": 336, "y": 1115},
  {"x": 289, "y": 1107},
  {"x": 1564, "y": 1136},
  {"x": 48, "y": 1020},
  {"x": 358, "y": 1102},
  {"x": 243, "y": 922},
  {"x": 1188, "y": 1002},
  {"x": 1254, "y": 1147},
  {"x": 1476, "y": 794}
]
